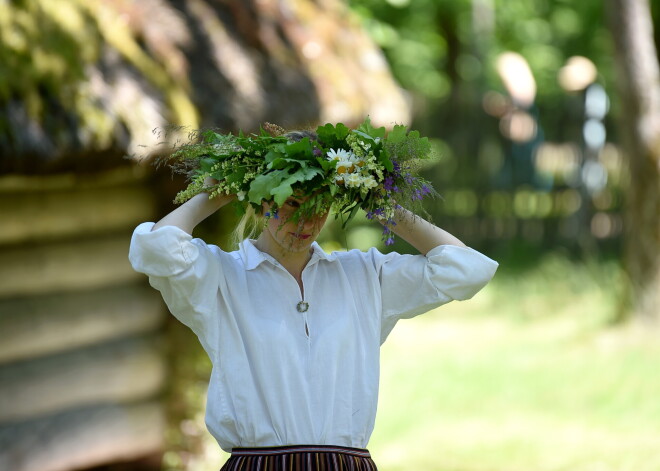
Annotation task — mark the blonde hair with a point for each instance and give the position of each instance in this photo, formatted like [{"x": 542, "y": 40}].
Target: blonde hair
[{"x": 249, "y": 226}]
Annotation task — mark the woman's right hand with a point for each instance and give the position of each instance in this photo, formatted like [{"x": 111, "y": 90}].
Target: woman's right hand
[
  {"x": 220, "y": 199},
  {"x": 195, "y": 210},
  {"x": 210, "y": 181}
]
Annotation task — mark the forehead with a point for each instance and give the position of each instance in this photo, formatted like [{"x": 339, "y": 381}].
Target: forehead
[{"x": 299, "y": 195}]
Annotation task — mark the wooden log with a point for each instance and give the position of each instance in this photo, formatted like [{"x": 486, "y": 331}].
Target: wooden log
[
  {"x": 38, "y": 325},
  {"x": 46, "y": 215},
  {"x": 66, "y": 266},
  {"x": 17, "y": 183},
  {"x": 120, "y": 371},
  {"x": 83, "y": 438}
]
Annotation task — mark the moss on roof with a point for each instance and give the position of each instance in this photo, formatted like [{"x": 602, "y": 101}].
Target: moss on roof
[{"x": 89, "y": 80}]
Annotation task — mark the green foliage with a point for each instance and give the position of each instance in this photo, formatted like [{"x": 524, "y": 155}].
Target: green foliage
[
  {"x": 445, "y": 53},
  {"x": 432, "y": 45},
  {"x": 348, "y": 169},
  {"x": 333, "y": 136}
]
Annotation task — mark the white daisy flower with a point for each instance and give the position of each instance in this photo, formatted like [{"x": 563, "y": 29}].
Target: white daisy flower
[
  {"x": 353, "y": 180},
  {"x": 369, "y": 182},
  {"x": 339, "y": 154},
  {"x": 344, "y": 166}
]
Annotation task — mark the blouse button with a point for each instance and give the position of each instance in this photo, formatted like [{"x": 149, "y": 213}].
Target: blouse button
[{"x": 302, "y": 306}]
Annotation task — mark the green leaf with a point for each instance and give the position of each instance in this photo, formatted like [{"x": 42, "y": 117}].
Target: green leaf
[
  {"x": 398, "y": 134},
  {"x": 299, "y": 150},
  {"x": 261, "y": 187},
  {"x": 282, "y": 192},
  {"x": 284, "y": 189},
  {"x": 218, "y": 175},
  {"x": 206, "y": 164},
  {"x": 384, "y": 159},
  {"x": 367, "y": 128},
  {"x": 272, "y": 155},
  {"x": 353, "y": 211},
  {"x": 364, "y": 136},
  {"x": 341, "y": 131},
  {"x": 236, "y": 176},
  {"x": 326, "y": 133},
  {"x": 331, "y": 135},
  {"x": 326, "y": 165},
  {"x": 319, "y": 203},
  {"x": 279, "y": 163}
]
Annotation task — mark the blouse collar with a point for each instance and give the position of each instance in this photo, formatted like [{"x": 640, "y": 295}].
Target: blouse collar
[{"x": 252, "y": 257}]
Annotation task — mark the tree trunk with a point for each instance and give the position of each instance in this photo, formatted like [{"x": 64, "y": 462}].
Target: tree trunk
[{"x": 639, "y": 86}]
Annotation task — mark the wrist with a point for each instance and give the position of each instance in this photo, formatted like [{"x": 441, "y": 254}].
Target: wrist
[{"x": 217, "y": 201}]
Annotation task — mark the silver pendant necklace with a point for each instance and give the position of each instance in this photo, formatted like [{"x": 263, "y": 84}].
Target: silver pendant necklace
[{"x": 302, "y": 306}]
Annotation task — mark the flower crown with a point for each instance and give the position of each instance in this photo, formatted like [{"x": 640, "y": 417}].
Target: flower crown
[{"x": 339, "y": 168}]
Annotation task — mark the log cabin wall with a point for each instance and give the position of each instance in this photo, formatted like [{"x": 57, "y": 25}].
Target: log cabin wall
[{"x": 82, "y": 348}]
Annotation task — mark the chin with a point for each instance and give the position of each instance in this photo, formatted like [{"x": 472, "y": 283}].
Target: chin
[{"x": 294, "y": 244}]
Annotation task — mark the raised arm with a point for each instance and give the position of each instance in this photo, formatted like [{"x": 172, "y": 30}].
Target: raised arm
[
  {"x": 420, "y": 233},
  {"x": 194, "y": 211}
]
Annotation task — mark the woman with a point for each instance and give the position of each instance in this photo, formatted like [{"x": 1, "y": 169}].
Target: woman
[{"x": 294, "y": 333}]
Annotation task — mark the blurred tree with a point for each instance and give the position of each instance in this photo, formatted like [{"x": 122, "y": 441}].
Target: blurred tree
[
  {"x": 445, "y": 53},
  {"x": 639, "y": 84}
]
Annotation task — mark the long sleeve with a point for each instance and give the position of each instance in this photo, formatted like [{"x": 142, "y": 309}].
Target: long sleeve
[
  {"x": 186, "y": 271},
  {"x": 414, "y": 284}
]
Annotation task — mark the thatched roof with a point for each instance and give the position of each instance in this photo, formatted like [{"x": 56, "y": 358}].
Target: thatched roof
[{"x": 84, "y": 82}]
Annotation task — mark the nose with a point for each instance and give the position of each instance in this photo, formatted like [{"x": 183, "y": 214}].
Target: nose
[{"x": 306, "y": 223}]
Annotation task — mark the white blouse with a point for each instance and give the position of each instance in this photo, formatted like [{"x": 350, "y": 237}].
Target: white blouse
[{"x": 284, "y": 377}]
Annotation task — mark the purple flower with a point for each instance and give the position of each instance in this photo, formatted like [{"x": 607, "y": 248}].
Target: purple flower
[
  {"x": 375, "y": 213},
  {"x": 388, "y": 183},
  {"x": 317, "y": 152},
  {"x": 387, "y": 231}
]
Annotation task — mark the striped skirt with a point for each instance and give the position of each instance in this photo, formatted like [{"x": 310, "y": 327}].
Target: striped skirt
[{"x": 300, "y": 458}]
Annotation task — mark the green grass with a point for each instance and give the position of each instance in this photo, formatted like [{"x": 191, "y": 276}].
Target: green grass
[{"x": 530, "y": 375}]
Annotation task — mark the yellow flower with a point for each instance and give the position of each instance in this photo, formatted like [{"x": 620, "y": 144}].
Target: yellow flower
[{"x": 344, "y": 166}]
